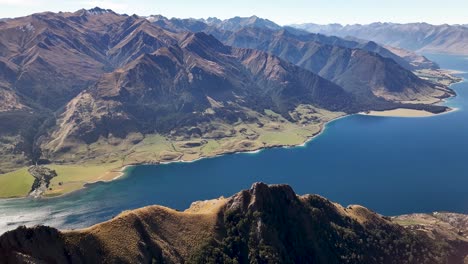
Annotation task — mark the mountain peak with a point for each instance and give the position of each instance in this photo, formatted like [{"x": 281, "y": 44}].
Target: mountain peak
[
  {"x": 212, "y": 20},
  {"x": 195, "y": 41},
  {"x": 238, "y": 22},
  {"x": 154, "y": 18},
  {"x": 268, "y": 223},
  {"x": 98, "y": 11}
]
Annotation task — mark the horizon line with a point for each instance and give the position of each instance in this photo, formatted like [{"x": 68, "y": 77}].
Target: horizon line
[{"x": 237, "y": 16}]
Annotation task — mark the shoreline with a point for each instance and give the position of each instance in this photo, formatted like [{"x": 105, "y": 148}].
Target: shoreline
[
  {"x": 121, "y": 171},
  {"x": 413, "y": 113},
  {"x": 322, "y": 129},
  {"x": 406, "y": 113},
  {"x": 450, "y": 71}
]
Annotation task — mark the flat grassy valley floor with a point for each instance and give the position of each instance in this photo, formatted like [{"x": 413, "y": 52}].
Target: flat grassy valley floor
[
  {"x": 70, "y": 177},
  {"x": 106, "y": 159}
]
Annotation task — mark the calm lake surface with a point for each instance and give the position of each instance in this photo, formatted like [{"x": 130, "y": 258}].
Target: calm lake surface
[{"x": 391, "y": 165}]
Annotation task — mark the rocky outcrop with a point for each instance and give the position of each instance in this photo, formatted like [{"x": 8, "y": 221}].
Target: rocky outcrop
[
  {"x": 265, "y": 224},
  {"x": 42, "y": 176}
]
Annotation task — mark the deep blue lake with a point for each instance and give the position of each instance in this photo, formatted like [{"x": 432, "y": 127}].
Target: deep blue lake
[{"x": 391, "y": 165}]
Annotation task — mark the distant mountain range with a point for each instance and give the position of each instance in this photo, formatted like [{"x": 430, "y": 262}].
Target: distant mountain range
[
  {"x": 330, "y": 57},
  {"x": 264, "y": 26},
  {"x": 232, "y": 24},
  {"x": 420, "y": 37},
  {"x": 265, "y": 224},
  {"x": 73, "y": 79},
  {"x": 94, "y": 88}
]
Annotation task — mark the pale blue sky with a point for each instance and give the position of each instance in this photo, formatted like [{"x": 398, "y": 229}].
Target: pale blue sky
[{"x": 282, "y": 12}]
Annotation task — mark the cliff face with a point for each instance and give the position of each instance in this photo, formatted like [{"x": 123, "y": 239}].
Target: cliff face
[{"x": 266, "y": 224}]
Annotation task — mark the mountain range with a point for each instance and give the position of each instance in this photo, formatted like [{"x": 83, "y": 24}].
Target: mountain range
[
  {"x": 342, "y": 61},
  {"x": 265, "y": 224},
  {"x": 217, "y": 27},
  {"x": 91, "y": 91},
  {"x": 94, "y": 85},
  {"x": 420, "y": 37}
]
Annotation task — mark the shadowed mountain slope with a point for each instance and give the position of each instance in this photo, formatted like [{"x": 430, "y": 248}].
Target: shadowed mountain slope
[
  {"x": 172, "y": 88},
  {"x": 363, "y": 68},
  {"x": 358, "y": 70},
  {"x": 217, "y": 28},
  {"x": 94, "y": 74}
]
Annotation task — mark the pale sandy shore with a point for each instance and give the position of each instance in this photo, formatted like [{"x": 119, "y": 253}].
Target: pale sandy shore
[
  {"x": 399, "y": 112},
  {"x": 448, "y": 71}
]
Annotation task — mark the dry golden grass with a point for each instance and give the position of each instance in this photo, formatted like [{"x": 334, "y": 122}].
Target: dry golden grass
[
  {"x": 15, "y": 184},
  {"x": 177, "y": 233},
  {"x": 210, "y": 207},
  {"x": 74, "y": 177},
  {"x": 449, "y": 225}
]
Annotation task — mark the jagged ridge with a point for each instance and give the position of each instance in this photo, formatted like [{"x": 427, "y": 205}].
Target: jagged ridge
[{"x": 266, "y": 224}]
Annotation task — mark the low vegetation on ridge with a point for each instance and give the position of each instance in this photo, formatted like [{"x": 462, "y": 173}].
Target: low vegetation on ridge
[{"x": 266, "y": 224}]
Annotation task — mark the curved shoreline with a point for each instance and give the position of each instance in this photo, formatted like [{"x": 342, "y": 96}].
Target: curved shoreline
[
  {"x": 406, "y": 113},
  {"x": 322, "y": 129},
  {"x": 122, "y": 171}
]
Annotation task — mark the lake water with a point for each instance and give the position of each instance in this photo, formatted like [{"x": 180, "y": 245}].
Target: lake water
[{"x": 391, "y": 165}]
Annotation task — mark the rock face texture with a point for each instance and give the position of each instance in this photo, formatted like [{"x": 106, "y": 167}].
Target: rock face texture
[
  {"x": 266, "y": 224},
  {"x": 363, "y": 68},
  {"x": 42, "y": 177},
  {"x": 172, "y": 87}
]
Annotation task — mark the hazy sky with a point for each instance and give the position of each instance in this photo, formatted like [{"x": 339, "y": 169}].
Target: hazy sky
[{"x": 282, "y": 12}]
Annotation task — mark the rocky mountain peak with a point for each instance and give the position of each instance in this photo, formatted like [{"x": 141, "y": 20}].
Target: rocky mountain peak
[
  {"x": 155, "y": 18},
  {"x": 99, "y": 11},
  {"x": 262, "y": 196},
  {"x": 201, "y": 41},
  {"x": 267, "y": 223}
]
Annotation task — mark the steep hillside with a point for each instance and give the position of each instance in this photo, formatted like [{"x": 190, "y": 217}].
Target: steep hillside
[
  {"x": 266, "y": 224},
  {"x": 262, "y": 26},
  {"x": 349, "y": 63},
  {"x": 98, "y": 88},
  {"x": 46, "y": 59},
  {"x": 198, "y": 81},
  {"x": 358, "y": 70}
]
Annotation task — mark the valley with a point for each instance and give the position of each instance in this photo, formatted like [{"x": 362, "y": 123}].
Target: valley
[
  {"x": 217, "y": 91},
  {"x": 176, "y": 132}
]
